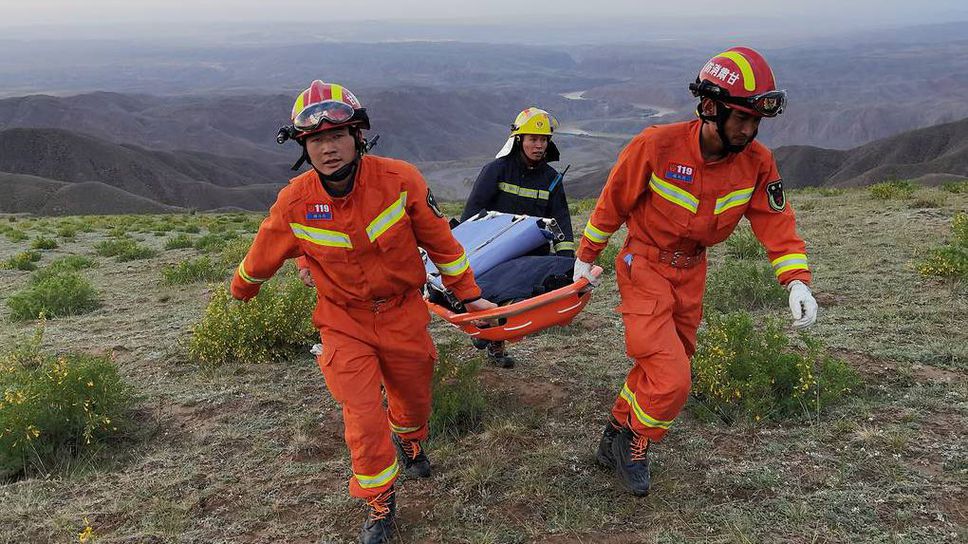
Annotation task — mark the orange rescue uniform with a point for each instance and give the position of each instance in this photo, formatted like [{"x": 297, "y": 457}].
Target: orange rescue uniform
[
  {"x": 676, "y": 205},
  {"x": 361, "y": 250}
]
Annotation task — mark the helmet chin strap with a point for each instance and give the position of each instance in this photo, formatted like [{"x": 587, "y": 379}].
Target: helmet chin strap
[
  {"x": 344, "y": 171},
  {"x": 722, "y": 115}
]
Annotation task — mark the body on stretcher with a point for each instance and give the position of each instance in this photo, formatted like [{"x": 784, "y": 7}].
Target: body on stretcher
[{"x": 492, "y": 240}]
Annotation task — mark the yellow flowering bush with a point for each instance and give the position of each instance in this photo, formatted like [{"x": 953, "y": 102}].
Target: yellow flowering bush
[
  {"x": 951, "y": 260},
  {"x": 271, "y": 326},
  {"x": 56, "y": 405},
  {"x": 740, "y": 372},
  {"x": 893, "y": 190},
  {"x": 739, "y": 284}
]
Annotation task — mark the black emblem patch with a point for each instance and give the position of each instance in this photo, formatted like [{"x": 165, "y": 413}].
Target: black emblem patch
[
  {"x": 432, "y": 202},
  {"x": 774, "y": 194}
]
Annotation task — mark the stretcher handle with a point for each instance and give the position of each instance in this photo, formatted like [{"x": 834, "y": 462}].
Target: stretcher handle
[{"x": 579, "y": 287}]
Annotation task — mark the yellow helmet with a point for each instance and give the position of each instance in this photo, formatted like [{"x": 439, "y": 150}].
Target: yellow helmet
[{"x": 534, "y": 121}]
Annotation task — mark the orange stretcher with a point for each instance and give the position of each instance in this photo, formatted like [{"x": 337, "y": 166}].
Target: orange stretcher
[{"x": 515, "y": 321}]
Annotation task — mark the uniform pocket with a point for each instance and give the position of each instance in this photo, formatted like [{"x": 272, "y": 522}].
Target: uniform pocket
[{"x": 637, "y": 306}]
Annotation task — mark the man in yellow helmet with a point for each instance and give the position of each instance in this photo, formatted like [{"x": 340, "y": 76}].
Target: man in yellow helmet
[{"x": 520, "y": 181}]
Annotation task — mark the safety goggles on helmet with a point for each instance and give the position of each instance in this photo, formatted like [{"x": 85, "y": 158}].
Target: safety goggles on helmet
[
  {"x": 329, "y": 111},
  {"x": 768, "y": 104}
]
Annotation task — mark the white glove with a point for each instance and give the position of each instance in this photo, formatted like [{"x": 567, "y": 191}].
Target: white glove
[
  {"x": 584, "y": 270},
  {"x": 802, "y": 305}
]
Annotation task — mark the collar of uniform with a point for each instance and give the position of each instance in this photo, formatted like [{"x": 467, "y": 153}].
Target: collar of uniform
[{"x": 363, "y": 166}]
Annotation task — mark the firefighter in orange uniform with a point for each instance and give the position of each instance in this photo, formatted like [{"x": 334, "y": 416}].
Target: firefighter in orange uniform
[
  {"x": 681, "y": 188},
  {"x": 358, "y": 220}
]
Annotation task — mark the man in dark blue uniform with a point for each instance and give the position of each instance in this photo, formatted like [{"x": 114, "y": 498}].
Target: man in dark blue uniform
[{"x": 520, "y": 181}]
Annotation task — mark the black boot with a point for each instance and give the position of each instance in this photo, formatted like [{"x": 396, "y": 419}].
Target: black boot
[
  {"x": 412, "y": 455},
  {"x": 381, "y": 520},
  {"x": 499, "y": 356},
  {"x": 604, "y": 456},
  {"x": 631, "y": 454},
  {"x": 480, "y": 344}
]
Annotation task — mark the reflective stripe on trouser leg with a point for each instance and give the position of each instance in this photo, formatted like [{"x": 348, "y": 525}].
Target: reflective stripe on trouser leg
[
  {"x": 407, "y": 356},
  {"x": 353, "y": 378},
  {"x": 660, "y": 310}
]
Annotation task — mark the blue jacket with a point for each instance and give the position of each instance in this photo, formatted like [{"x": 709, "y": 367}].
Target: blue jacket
[{"x": 507, "y": 185}]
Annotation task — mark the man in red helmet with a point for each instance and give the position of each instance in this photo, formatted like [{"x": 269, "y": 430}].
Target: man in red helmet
[
  {"x": 358, "y": 219},
  {"x": 681, "y": 188}
]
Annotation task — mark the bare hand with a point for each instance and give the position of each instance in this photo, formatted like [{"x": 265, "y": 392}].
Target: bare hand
[
  {"x": 480, "y": 305},
  {"x": 306, "y": 278}
]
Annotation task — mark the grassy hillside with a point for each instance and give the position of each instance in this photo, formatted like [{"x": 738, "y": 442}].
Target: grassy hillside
[{"x": 254, "y": 453}]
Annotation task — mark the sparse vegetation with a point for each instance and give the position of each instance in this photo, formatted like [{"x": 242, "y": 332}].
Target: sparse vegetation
[
  {"x": 71, "y": 263},
  {"x": 56, "y": 407},
  {"x": 742, "y": 285},
  {"x": 213, "y": 242},
  {"x": 15, "y": 235},
  {"x": 742, "y": 244},
  {"x": 180, "y": 241},
  {"x": 43, "y": 243},
  {"x": 192, "y": 271},
  {"x": 459, "y": 401},
  {"x": 950, "y": 260},
  {"x": 957, "y": 187},
  {"x": 54, "y": 295},
  {"x": 893, "y": 190},
  {"x": 23, "y": 261},
  {"x": 124, "y": 249},
  {"x": 743, "y": 372},
  {"x": 270, "y": 327}
]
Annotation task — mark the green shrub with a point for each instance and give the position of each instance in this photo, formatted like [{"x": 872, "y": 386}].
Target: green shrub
[
  {"x": 214, "y": 242},
  {"x": 946, "y": 262},
  {"x": 742, "y": 244},
  {"x": 956, "y": 187},
  {"x": 959, "y": 229},
  {"x": 893, "y": 190},
  {"x": 67, "y": 232},
  {"x": 15, "y": 235},
  {"x": 23, "y": 261},
  {"x": 744, "y": 373},
  {"x": 55, "y": 407},
  {"x": 742, "y": 285},
  {"x": 55, "y": 295},
  {"x": 951, "y": 260},
  {"x": 44, "y": 243},
  {"x": 271, "y": 326},
  {"x": 191, "y": 271},
  {"x": 71, "y": 263},
  {"x": 180, "y": 241},
  {"x": 459, "y": 401},
  {"x": 190, "y": 229},
  {"x": 235, "y": 250},
  {"x": 124, "y": 249}
]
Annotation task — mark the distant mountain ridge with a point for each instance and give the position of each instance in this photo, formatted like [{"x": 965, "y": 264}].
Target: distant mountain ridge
[{"x": 41, "y": 166}]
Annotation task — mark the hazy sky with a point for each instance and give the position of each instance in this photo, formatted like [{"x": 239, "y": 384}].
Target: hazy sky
[{"x": 864, "y": 12}]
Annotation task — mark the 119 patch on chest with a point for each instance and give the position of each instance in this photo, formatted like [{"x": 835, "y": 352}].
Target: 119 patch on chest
[
  {"x": 679, "y": 172},
  {"x": 319, "y": 211}
]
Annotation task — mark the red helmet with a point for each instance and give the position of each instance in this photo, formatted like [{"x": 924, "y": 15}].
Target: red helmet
[
  {"x": 740, "y": 78},
  {"x": 324, "y": 106}
]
